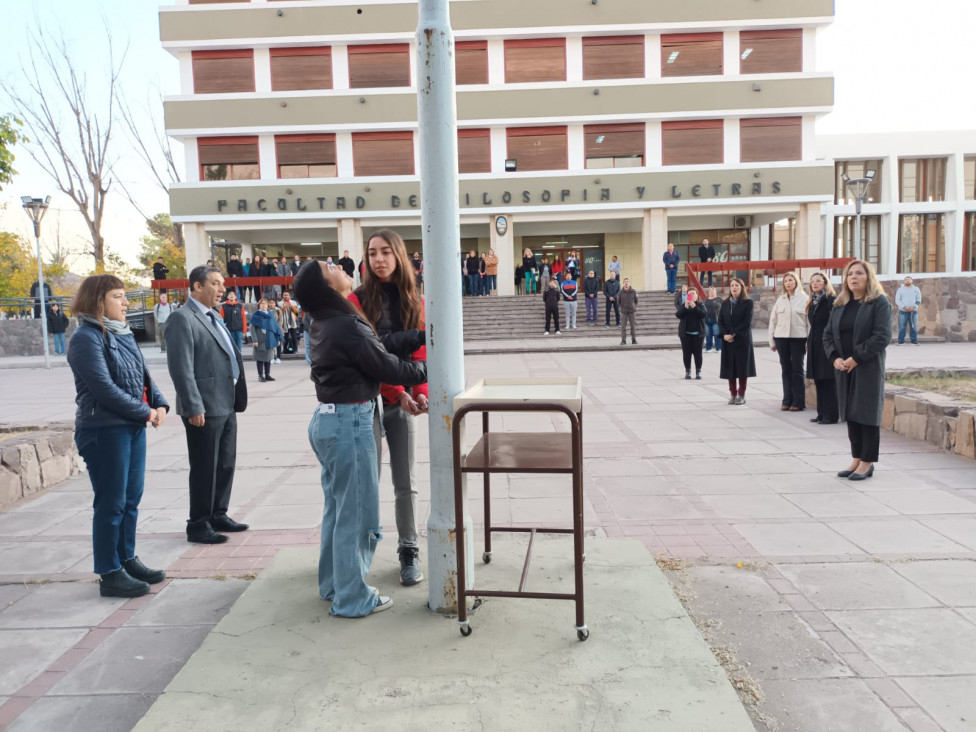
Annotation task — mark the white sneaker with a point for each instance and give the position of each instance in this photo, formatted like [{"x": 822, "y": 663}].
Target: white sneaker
[
  {"x": 546, "y": 333},
  {"x": 384, "y": 603}
]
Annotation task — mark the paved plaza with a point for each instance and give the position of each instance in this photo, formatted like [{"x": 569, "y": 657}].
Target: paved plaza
[{"x": 831, "y": 605}]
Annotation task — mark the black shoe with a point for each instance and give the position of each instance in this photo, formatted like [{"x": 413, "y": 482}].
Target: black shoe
[
  {"x": 140, "y": 571},
  {"x": 226, "y": 523},
  {"x": 268, "y": 378},
  {"x": 204, "y": 535},
  {"x": 623, "y": 343},
  {"x": 633, "y": 341},
  {"x": 410, "y": 573},
  {"x": 818, "y": 419},
  {"x": 698, "y": 376},
  {"x": 120, "y": 584},
  {"x": 844, "y": 473},
  {"x": 687, "y": 374},
  {"x": 261, "y": 378},
  {"x": 828, "y": 421},
  {"x": 862, "y": 476}
]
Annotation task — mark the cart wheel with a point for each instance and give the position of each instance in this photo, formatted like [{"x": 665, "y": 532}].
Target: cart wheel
[
  {"x": 466, "y": 630},
  {"x": 486, "y": 557},
  {"x": 581, "y": 633}
]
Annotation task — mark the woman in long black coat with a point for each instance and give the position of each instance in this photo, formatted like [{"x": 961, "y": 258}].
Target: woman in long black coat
[
  {"x": 819, "y": 368},
  {"x": 735, "y": 330},
  {"x": 855, "y": 342}
]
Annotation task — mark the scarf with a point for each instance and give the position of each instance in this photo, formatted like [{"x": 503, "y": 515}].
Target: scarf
[
  {"x": 816, "y": 298},
  {"x": 116, "y": 327}
]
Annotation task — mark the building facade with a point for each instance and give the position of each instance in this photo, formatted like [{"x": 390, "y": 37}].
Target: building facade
[{"x": 608, "y": 128}]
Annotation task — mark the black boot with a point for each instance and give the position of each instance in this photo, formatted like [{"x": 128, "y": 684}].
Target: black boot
[
  {"x": 140, "y": 571},
  {"x": 120, "y": 584}
]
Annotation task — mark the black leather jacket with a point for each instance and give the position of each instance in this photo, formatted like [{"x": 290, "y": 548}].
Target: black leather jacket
[{"x": 349, "y": 361}]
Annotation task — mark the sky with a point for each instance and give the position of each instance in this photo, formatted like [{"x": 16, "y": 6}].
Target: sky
[{"x": 895, "y": 69}]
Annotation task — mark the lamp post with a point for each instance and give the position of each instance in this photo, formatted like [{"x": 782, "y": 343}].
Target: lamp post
[
  {"x": 859, "y": 187},
  {"x": 36, "y": 208}
]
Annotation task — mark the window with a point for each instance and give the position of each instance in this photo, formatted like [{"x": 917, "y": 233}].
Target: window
[
  {"x": 305, "y": 156},
  {"x": 474, "y": 151},
  {"x": 471, "y": 62},
  {"x": 773, "y": 138},
  {"x": 692, "y": 54},
  {"x": 782, "y": 240},
  {"x": 301, "y": 68},
  {"x": 921, "y": 243},
  {"x": 698, "y": 142},
  {"x": 613, "y": 57},
  {"x": 856, "y": 169},
  {"x": 922, "y": 179},
  {"x": 969, "y": 244},
  {"x": 536, "y": 59},
  {"x": 538, "y": 148},
  {"x": 614, "y": 146},
  {"x": 969, "y": 177},
  {"x": 844, "y": 239},
  {"x": 770, "y": 51},
  {"x": 371, "y": 67},
  {"x": 228, "y": 158},
  {"x": 383, "y": 153},
  {"x": 215, "y": 72}
]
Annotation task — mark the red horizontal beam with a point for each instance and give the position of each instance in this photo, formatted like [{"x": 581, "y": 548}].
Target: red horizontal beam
[{"x": 228, "y": 282}]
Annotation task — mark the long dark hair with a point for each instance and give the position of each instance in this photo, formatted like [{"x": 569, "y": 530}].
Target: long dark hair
[
  {"x": 404, "y": 277},
  {"x": 317, "y": 296},
  {"x": 90, "y": 298}
]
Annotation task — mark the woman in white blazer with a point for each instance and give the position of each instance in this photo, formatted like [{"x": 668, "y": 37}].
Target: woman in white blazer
[{"x": 788, "y": 330}]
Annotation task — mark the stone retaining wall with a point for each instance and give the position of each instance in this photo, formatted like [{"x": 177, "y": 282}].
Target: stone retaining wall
[
  {"x": 34, "y": 459},
  {"x": 26, "y": 338}
]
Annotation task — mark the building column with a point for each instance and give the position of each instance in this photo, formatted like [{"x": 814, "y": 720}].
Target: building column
[
  {"x": 504, "y": 246},
  {"x": 197, "y": 245},
  {"x": 654, "y": 242},
  {"x": 809, "y": 234},
  {"x": 351, "y": 237}
]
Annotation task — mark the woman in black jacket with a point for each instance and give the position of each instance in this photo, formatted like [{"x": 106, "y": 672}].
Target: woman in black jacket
[
  {"x": 691, "y": 331},
  {"x": 530, "y": 267},
  {"x": 348, "y": 365},
  {"x": 57, "y": 324},
  {"x": 855, "y": 342},
  {"x": 819, "y": 368},
  {"x": 735, "y": 329}
]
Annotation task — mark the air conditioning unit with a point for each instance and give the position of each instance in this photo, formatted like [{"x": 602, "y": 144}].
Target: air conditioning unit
[{"x": 742, "y": 222}]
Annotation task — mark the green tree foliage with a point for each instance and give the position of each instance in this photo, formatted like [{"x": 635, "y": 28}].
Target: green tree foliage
[
  {"x": 10, "y": 135},
  {"x": 163, "y": 240},
  {"x": 18, "y": 268}
]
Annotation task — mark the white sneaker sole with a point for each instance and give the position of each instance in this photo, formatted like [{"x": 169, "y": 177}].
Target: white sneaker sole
[{"x": 385, "y": 603}]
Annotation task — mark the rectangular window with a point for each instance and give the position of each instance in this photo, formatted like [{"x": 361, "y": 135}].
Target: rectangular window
[
  {"x": 382, "y": 153},
  {"x": 969, "y": 244},
  {"x": 969, "y": 177},
  {"x": 471, "y": 62},
  {"x": 536, "y": 59},
  {"x": 228, "y": 158},
  {"x": 922, "y": 179},
  {"x": 538, "y": 148},
  {"x": 856, "y": 169},
  {"x": 782, "y": 239},
  {"x": 613, "y": 57},
  {"x": 216, "y": 72},
  {"x": 770, "y": 51},
  {"x": 305, "y": 156},
  {"x": 301, "y": 68},
  {"x": 698, "y": 142},
  {"x": 921, "y": 243},
  {"x": 371, "y": 67},
  {"x": 691, "y": 54},
  {"x": 845, "y": 241},
  {"x": 614, "y": 146},
  {"x": 474, "y": 151},
  {"x": 772, "y": 138}
]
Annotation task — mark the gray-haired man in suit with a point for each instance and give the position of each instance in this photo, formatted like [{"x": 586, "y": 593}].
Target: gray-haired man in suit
[{"x": 208, "y": 376}]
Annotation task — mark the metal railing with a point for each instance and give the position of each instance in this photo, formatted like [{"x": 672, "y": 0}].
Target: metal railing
[{"x": 768, "y": 267}]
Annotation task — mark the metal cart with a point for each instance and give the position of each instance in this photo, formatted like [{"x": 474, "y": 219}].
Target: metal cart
[{"x": 521, "y": 452}]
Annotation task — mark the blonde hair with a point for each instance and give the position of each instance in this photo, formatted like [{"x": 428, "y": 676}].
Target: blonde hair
[
  {"x": 828, "y": 288},
  {"x": 872, "y": 292},
  {"x": 798, "y": 288}
]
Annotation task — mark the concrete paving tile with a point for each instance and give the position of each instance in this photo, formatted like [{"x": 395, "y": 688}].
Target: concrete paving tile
[
  {"x": 30, "y": 523},
  {"x": 678, "y": 449},
  {"x": 855, "y": 586},
  {"x": 652, "y": 508},
  {"x": 520, "y": 486},
  {"x": 894, "y": 536},
  {"x": 78, "y": 524},
  {"x": 114, "y": 713},
  {"x": 59, "y": 500},
  {"x": 621, "y": 468},
  {"x": 744, "y": 447},
  {"x": 764, "y": 464},
  {"x": 41, "y": 557},
  {"x": 969, "y": 613},
  {"x": 60, "y": 605},
  {"x": 164, "y": 498},
  {"x": 163, "y": 521},
  {"x": 950, "y": 581},
  {"x": 839, "y": 505},
  {"x": 544, "y": 511},
  {"x": 721, "y": 485},
  {"x": 913, "y": 642},
  {"x": 925, "y": 502},
  {"x": 701, "y": 466},
  {"x": 26, "y": 654},
  {"x": 955, "y": 478},
  {"x": 795, "y": 539},
  {"x": 950, "y": 701},
  {"x": 961, "y": 529},
  {"x": 133, "y": 661},
  {"x": 839, "y": 705},
  {"x": 720, "y": 590},
  {"x": 10, "y": 594},
  {"x": 925, "y": 460},
  {"x": 295, "y": 495},
  {"x": 190, "y": 602},
  {"x": 752, "y": 507}
]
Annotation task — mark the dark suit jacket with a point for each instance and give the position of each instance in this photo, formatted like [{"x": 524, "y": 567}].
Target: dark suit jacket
[{"x": 200, "y": 367}]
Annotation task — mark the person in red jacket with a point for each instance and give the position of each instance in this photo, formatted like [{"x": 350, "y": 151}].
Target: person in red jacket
[{"x": 389, "y": 299}]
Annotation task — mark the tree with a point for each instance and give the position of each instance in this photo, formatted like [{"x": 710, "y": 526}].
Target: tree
[
  {"x": 10, "y": 135},
  {"x": 75, "y": 154},
  {"x": 162, "y": 241},
  {"x": 18, "y": 263}
]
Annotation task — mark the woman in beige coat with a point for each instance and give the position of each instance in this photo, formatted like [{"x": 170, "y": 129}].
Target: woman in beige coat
[
  {"x": 788, "y": 331},
  {"x": 491, "y": 271}
]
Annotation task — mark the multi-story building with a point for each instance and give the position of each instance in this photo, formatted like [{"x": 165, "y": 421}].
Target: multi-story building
[{"x": 607, "y": 127}]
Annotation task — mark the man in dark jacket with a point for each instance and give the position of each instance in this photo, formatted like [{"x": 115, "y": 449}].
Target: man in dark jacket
[
  {"x": 235, "y": 268},
  {"x": 35, "y": 292},
  {"x": 347, "y": 263},
  {"x": 611, "y": 288},
  {"x": 160, "y": 270},
  {"x": 671, "y": 259},
  {"x": 706, "y": 253},
  {"x": 591, "y": 288}
]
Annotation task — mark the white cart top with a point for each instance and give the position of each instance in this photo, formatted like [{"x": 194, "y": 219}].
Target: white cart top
[{"x": 567, "y": 390}]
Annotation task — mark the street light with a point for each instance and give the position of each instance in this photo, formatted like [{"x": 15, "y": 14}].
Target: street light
[
  {"x": 36, "y": 208},
  {"x": 859, "y": 187}
]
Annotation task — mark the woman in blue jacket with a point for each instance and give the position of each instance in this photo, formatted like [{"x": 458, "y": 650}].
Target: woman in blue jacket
[
  {"x": 266, "y": 334},
  {"x": 116, "y": 399}
]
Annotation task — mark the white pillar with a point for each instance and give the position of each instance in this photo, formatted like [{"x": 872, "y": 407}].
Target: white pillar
[
  {"x": 574, "y": 59},
  {"x": 730, "y": 53},
  {"x": 654, "y": 242},
  {"x": 653, "y": 144},
  {"x": 345, "y": 166},
  {"x": 262, "y": 70},
  {"x": 496, "y": 62},
  {"x": 191, "y": 154},
  {"x": 499, "y": 150},
  {"x": 267, "y": 157},
  {"x": 730, "y": 135},
  {"x": 808, "y": 231},
  {"x": 652, "y": 56},
  {"x": 340, "y": 67},
  {"x": 504, "y": 246},
  {"x": 576, "y": 143},
  {"x": 197, "y": 244}
]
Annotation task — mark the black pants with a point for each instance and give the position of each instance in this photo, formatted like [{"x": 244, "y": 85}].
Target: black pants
[
  {"x": 865, "y": 441},
  {"x": 264, "y": 369},
  {"x": 212, "y": 452},
  {"x": 691, "y": 345},
  {"x": 791, "y": 353},
  {"x": 615, "y": 306},
  {"x": 552, "y": 314},
  {"x": 826, "y": 399}
]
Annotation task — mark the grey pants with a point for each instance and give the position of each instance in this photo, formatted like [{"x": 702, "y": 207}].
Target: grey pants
[
  {"x": 161, "y": 335},
  {"x": 628, "y": 318},
  {"x": 399, "y": 428}
]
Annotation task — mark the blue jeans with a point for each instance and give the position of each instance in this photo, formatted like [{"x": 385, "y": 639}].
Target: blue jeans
[
  {"x": 308, "y": 356},
  {"x": 672, "y": 279},
  {"x": 474, "y": 285},
  {"x": 531, "y": 283},
  {"x": 58, "y": 343},
  {"x": 591, "y": 309},
  {"x": 711, "y": 332},
  {"x": 116, "y": 460},
  {"x": 909, "y": 320},
  {"x": 238, "y": 337},
  {"x": 491, "y": 282},
  {"x": 345, "y": 445}
]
